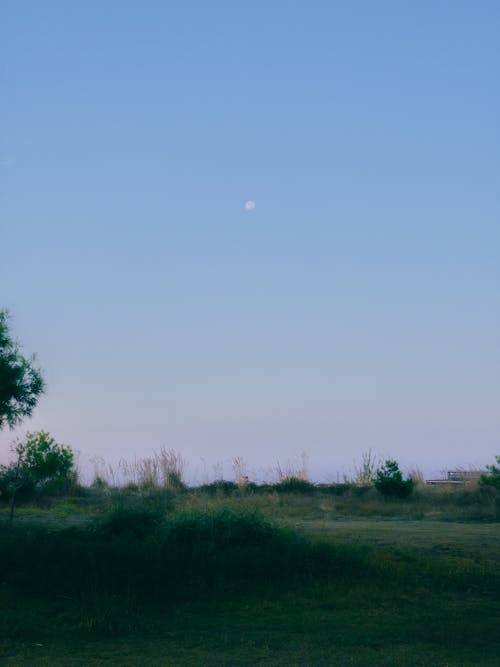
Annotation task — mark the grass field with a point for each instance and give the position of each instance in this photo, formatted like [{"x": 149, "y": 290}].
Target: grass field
[{"x": 264, "y": 579}]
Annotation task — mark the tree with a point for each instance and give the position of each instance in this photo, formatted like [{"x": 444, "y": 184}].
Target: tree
[
  {"x": 42, "y": 466},
  {"x": 493, "y": 476},
  {"x": 390, "y": 483},
  {"x": 21, "y": 383}
]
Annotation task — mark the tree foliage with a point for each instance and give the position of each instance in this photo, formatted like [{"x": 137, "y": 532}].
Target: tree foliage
[
  {"x": 45, "y": 460},
  {"x": 390, "y": 483},
  {"x": 21, "y": 383},
  {"x": 493, "y": 478},
  {"x": 41, "y": 466}
]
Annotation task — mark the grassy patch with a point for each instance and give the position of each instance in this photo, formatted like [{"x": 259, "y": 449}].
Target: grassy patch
[{"x": 154, "y": 577}]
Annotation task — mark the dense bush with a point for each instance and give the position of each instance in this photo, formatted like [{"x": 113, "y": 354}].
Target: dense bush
[
  {"x": 219, "y": 487},
  {"x": 131, "y": 522},
  {"x": 42, "y": 467},
  {"x": 14, "y": 485},
  {"x": 294, "y": 485},
  {"x": 493, "y": 478},
  {"x": 390, "y": 483},
  {"x": 338, "y": 489}
]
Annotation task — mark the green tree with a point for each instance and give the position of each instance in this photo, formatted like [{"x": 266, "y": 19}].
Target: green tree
[
  {"x": 42, "y": 466},
  {"x": 21, "y": 383},
  {"x": 390, "y": 483},
  {"x": 493, "y": 478}
]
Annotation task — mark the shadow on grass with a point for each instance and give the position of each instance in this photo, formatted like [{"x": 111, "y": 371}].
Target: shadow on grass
[
  {"x": 111, "y": 576},
  {"x": 132, "y": 558}
]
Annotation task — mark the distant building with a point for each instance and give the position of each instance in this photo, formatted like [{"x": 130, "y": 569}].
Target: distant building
[
  {"x": 459, "y": 477},
  {"x": 464, "y": 475}
]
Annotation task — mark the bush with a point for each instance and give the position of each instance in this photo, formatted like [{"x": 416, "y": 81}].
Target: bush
[
  {"x": 42, "y": 467},
  {"x": 493, "y": 479},
  {"x": 48, "y": 463},
  {"x": 14, "y": 485},
  {"x": 390, "y": 483},
  {"x": 130, "y": 522},
  {"x": 294, "y": 485},
  {"x": 219, "y": 487}
]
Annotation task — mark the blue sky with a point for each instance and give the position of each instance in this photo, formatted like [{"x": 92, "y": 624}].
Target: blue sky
[{"x": 356, "y": 307}]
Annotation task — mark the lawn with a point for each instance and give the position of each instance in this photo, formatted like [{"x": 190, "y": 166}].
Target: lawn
[{"x": 213, "y": 581}]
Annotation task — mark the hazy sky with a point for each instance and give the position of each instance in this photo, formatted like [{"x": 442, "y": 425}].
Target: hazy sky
[{"x": 357, "y": 306}]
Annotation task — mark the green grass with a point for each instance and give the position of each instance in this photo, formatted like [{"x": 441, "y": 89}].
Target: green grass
[{"x": 225, "y": 578}]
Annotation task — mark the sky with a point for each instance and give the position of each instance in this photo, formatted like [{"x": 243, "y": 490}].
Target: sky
[{"x": 355, "y": 307}]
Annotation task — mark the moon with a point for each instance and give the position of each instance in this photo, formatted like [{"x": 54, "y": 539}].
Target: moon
[{"x": 249, "y": 205}]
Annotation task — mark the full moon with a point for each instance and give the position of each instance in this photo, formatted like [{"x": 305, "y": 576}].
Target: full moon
[{"x": 249, "y": 205}]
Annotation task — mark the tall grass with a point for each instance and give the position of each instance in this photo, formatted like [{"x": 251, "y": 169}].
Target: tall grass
[
  {"x": 104, "y": 573},
  {"x": 163, "y": 469},
  {"x": 147, "y": 549},
  {"x": 158, "y": 481},
  {"x": 137, "y": 552},
  {"x": 284, "y": 499}
]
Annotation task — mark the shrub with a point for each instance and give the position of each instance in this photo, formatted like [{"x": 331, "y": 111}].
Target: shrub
[
  {"x": 336, "y": 489},
  {"x": 48, "y": 463},
  {"x": 219, "y": 529},
  {"x": 390, "y": 483},
  {"x": 294, "y": 485},
  {"x": 138, "y": 523},
  {"x": 99, "y": 484},
  {"x": 14, "y": 485},
  {"x": 43, "y": 466},
  {"x": 219, "y": 487},
  {"x": 493, "y": 478}
]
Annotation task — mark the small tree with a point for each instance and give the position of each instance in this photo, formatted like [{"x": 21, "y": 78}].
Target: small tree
[
  {"x": 390, "y": 483},
  {"x": 493, "y": 479},
  {"x": 21, "y": 383},
  {"x": 42, "y": 466}
]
